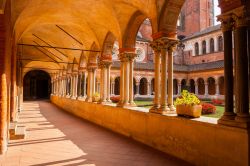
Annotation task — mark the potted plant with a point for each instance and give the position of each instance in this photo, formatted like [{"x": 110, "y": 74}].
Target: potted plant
[
  {"x": 96, "y": 97},
  {"x": 188, "y": 105}
]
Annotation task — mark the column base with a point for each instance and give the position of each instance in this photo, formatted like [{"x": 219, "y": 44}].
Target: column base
[
  {"x": 132, "y": 104},
  {"x": 172, "y": 109},
  {"x": 125, "y": 104},
  {"x": 73, "y": 97},
  {"x": 233, "y": 123},
  {"x": 89, "y": 99},
  {"x": 154, "y": 108}
]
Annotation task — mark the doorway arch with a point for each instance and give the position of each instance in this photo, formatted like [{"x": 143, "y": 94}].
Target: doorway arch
[{"x": 36, "y": 85}]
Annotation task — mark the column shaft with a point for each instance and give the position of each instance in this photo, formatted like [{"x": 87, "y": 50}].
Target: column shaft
[
  {"x": 131, "y": 82},
  {"x": 170, "y": 79}
]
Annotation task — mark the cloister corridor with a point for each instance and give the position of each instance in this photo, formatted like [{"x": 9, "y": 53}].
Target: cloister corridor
[{"x": 55, "y": 137}]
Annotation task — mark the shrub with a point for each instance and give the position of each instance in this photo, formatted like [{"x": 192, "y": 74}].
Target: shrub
[
  {"x": 217, "y": 101},
  {"x": 187, "y": 98},
  {"x": 208, "y": 108},
  {"x": 115, "y": 99}
]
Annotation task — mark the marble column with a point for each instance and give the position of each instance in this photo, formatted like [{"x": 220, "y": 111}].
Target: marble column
[
  {"x": 131, "y": 80},
  {"x": 108, "y": 82},
  {"x": 179, "y": 87},
  {"x": 126, "y": 83},
  {"x": 217, "y": 87},
  {"x": 241, "y": 71},
  {"x": 137, "y": 84},
  {"x": 90, "y": 86},
  {"x": 206, "y": 88},
  {"x": 229, "y": 114},
  {"x": 170, "y": 76},
  {"x": 120, "y": 103},
  {"x": 148, "y": 88},
  {"x": 163, "y": 104},
  {"x": 157, "y": 83},
  {"x": 196, "y": 84}
]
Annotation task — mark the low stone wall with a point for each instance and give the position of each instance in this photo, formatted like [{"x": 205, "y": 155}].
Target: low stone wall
[{"x": 196, "y": 142}]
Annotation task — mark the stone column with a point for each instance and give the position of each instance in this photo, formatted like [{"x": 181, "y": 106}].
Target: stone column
[
  {"x": 157, "y": 59},
  {"x": 85, "y": 85},
  {"x": 179, "y": 87},
  {"x": 108, "y": 81},
  {"x": 196, "y": 87},
  {"x": 76, "y": 86},
  {"x": 217, "y": 87},
  {"x": 170, "y": 76},
  {"x": 228, "y": 72},
  {"x": 206, "y": 88},
  {"x": 137, "y": 84},
  {"x": 131, "y": 79},
  {"x": 101, "y": 67},
  {"x": 241, "y": 71},
  {"x": 90, "y": 91},
  {"x": 120, "y": 103},
  {"x": 94, "y": 80},
  {"x": 163, "y": 104},
  {"x": 126, "y": 83},
  {"x": 148, "y": 88}
]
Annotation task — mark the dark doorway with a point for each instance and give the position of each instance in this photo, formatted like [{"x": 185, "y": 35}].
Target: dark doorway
[{"x": 36, "y": 85}]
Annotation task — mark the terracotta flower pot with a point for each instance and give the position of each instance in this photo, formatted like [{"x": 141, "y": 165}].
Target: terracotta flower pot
[{"x": 189, "y": 110}]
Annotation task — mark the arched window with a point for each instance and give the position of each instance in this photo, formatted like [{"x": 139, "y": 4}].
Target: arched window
[
  {"x": 204, "y": 47},
  {"x": 220, "y": 43},
  {"x": 196, "y": 46},
  {"x": 211, "y": 45}
]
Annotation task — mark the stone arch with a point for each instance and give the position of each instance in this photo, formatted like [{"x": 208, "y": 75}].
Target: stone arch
[
  {"x": 221, "y": 85},
  {"x": 192, "y": 85},
  {"x": 129, "y": 37},
  {"x": 117, "y": 86},
  {"x": 107, "y": 47},
  {"x": 143, "y": 86},
  {"x": 169, "y": 15},
  {"x": 36, "y": 85},
  {"x": 211, "y": 86},
  {"x": 201, "y": 86},
  {"x": 83, "y": 61}
]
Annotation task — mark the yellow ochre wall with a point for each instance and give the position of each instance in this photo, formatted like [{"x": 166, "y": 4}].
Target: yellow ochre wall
[{"x": 197, "y": 142}]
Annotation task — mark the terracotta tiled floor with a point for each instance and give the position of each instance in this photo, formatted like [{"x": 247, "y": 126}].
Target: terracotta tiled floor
[{"x": 57, "y": 138}]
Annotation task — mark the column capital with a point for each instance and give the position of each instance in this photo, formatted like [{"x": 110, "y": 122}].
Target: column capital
[
  {"x": 167, "y": 43},
  {"x": 127, "y": 56}
]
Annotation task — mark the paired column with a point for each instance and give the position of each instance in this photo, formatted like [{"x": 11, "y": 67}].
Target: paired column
[
  {"x": 206, "y": 87},
  {"x": 91, "y": 83},
  {"x": 126, "y": 78},
  {"x": 242, "y": 119},
  {"x": 157, "y": 59},
  {"x": 162, "y": 104},
  {"x": 179, "y": 87},
  {"x": 105, "y": 81},
  {"x": 217, "y": 87}
]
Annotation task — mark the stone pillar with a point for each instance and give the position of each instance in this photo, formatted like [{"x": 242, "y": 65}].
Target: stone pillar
[
  {"x": 229, "y": 114},
  {"x": 94, "y": 80},
  {"x": 179, "y": 87},
  {"x": 157, "y": 59},
  {"x": 120, "y": 103},
  {"x": 126, "y": 83},
  {"x": 131, "y": 80},
  {"x": 85, "y": 85},
  {"x": 217, "y": 87},
  {"x": 126, "y": 92},
  {"x": 148, "y": 88},
  {"x": 170, "y": 76},
  {"x": 90, "y": 91},
  {"x": 163, "y": 104},
  {"x": 108, "y": 82},
  {"x": 241, "y": 71},
  {"x": 206, "y": 87},
  {"x": 137, "y": 84},
  {"x": 196, "y": 84}
]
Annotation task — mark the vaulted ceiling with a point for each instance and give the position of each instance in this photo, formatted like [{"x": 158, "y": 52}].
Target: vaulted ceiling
[{"x": 79, "y": 24}]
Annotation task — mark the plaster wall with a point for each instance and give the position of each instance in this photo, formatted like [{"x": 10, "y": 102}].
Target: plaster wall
[{"x": 197, "y": 142}]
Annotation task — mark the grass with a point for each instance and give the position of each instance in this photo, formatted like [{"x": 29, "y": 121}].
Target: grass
[{"x": 218, "y": 114}]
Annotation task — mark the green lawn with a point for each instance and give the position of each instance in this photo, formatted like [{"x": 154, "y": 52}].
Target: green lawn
[
  {"x": 218, "y": 114},
  {"x": 148, "y": 104}
]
